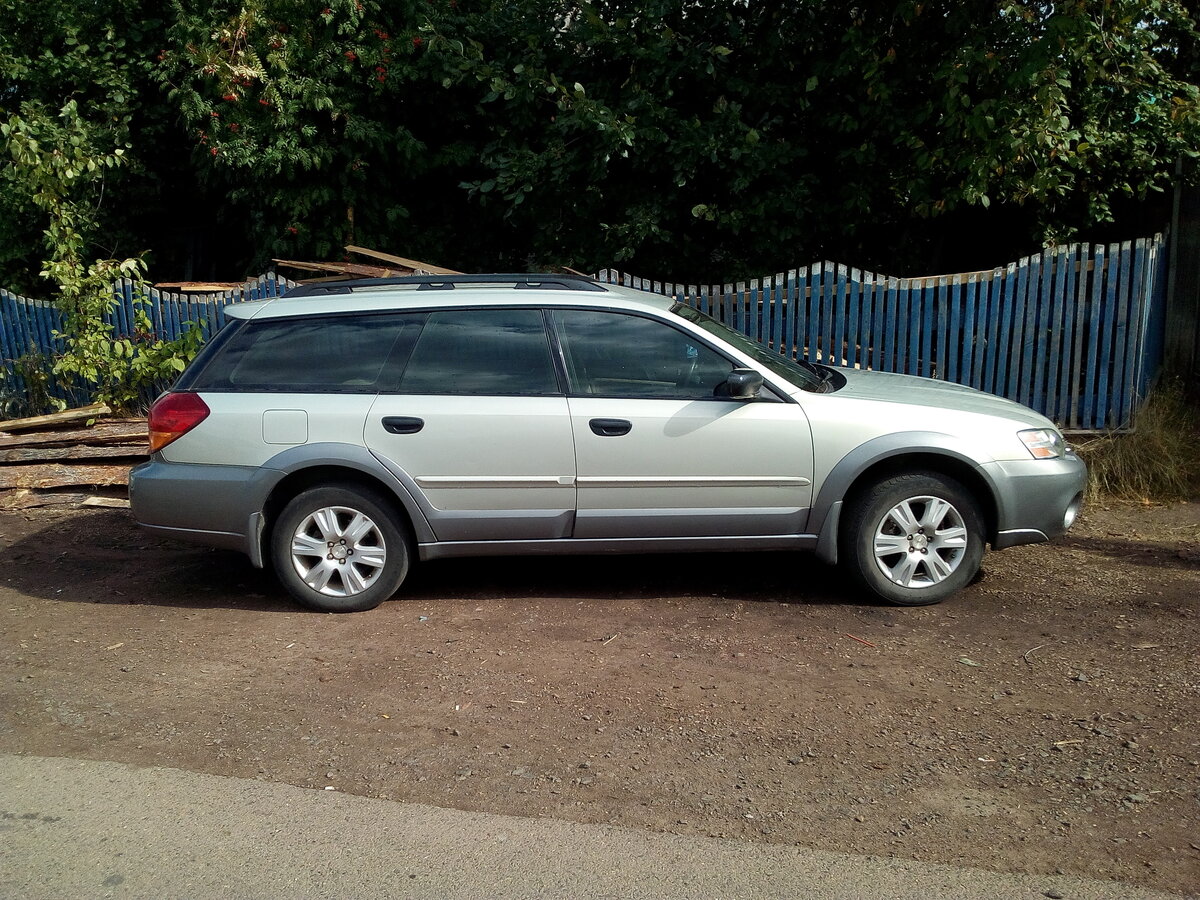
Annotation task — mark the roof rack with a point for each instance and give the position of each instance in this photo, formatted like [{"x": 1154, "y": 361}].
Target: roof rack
[{"x": 531, "y": 281}]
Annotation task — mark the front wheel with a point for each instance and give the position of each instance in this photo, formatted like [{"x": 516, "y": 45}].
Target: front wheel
[
  {"x": 914, "y": 539},
  {"x": 338, "y": 548}
]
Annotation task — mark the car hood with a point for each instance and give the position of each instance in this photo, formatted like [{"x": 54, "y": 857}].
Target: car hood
[{"x": 928, "y": 392}]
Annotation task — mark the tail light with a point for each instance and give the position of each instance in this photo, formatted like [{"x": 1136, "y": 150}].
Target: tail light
[{"x": 174, "y": 415}]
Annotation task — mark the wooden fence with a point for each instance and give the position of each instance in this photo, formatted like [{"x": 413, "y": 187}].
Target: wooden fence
[{"x": 1075, "y": 332}]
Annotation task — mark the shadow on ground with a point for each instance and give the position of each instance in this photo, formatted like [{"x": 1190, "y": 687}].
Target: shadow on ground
[{"x": 103, "y": 557}]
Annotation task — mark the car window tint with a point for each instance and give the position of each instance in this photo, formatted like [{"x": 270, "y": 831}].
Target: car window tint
[
  {"x": 481, "y": 351},
  {"x": 616, "y": 355},
  {"x": 353, "y": 354}
]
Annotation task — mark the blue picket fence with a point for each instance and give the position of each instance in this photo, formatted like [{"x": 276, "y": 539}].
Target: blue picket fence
[{"x": 1075, "y": 331}]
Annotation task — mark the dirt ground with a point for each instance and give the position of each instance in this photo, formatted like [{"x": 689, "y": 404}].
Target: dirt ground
[{"x": 1042, "y": 721}]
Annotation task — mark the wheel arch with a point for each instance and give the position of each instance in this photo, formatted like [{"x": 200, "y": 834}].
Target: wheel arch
[
  {"x": 346, "y": 465},
  {"x": 893, "y": 455}
]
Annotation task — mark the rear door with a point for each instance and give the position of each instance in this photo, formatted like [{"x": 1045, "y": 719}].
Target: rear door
[{"x": 479, "y": 429}]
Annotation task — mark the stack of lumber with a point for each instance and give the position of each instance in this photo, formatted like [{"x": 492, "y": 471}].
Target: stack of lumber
[
  {"x": 70, "y": 457},
  {"x": 393, "y": 265}
]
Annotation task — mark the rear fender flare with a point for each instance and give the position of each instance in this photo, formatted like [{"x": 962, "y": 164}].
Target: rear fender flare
[{"x": 350, "y": 456}]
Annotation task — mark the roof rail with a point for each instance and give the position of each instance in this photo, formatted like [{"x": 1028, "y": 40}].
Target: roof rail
[{"x": 531, "y": 281}]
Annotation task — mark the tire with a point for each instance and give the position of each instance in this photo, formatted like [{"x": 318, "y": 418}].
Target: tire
[
  {"x": 339, "y": 548},
  {"x": 914, "y": 539}
]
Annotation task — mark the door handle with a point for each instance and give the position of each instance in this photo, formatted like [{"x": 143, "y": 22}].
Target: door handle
[
  {"x": 611, "y": 427},
  {"x": 402, "y": 424}
]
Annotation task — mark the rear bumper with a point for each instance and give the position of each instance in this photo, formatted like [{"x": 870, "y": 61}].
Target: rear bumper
[
  {"x": 219, "y": 506},
  {"x": 1036, "y": 499}
]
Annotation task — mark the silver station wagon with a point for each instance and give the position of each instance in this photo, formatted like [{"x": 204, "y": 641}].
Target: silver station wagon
[{"x": 347, "y": 429}]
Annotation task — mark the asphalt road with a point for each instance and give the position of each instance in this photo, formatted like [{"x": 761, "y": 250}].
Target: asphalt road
[{"x": 74, "y": 828}]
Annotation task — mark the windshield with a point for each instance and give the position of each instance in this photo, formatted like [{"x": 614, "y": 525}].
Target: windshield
[{"x": 800, "y": 373}]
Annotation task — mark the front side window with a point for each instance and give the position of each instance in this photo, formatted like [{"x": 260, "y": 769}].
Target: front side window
[
  {"x": 347, "y": 354},
  {"x": 481, "y": 351},
  {"x": 619, "y": 355}
]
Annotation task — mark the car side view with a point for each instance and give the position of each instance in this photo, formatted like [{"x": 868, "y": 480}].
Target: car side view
[{"x": 349, "y": 429}]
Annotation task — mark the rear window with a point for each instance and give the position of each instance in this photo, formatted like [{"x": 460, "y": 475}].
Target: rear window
[{"x": 348, "y": 354}]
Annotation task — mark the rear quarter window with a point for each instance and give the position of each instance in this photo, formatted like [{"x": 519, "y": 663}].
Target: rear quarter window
[{"x": 348, "y": 354}]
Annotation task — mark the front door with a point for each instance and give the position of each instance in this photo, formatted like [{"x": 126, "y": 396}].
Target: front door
[{"x": 659, "y": 453}]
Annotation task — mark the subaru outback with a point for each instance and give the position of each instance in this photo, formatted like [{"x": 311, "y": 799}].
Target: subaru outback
[{"x": 346, "y": 430}]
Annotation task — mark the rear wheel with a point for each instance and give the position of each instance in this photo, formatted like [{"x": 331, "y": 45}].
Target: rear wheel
[
  {"x": 339, "y": 548},
  {"x": 914, "y": 539}
]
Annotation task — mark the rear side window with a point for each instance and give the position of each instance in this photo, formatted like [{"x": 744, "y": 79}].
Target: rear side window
[
  {"x": 481, "y": 351},
  {"x": 347, "y": 354}
]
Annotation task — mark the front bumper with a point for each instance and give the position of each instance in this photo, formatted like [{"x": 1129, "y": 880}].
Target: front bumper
[{"x": 1036, "y": 499}]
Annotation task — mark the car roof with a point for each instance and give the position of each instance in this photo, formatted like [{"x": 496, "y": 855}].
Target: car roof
[{"x": 448, "y": 291}]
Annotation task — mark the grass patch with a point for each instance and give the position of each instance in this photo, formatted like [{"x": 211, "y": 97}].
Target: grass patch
[{"x": 1158, "y": 461}]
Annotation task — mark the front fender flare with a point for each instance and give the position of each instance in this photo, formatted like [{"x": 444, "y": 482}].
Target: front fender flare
[{"x": 827, "y": 507}]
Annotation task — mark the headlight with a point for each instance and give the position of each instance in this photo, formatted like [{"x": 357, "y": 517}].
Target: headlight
[{"x": 1043, "y": 443}]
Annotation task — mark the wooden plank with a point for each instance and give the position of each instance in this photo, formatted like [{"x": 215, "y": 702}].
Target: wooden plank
[
  {"x": 1006, "y": 300},
  {"x": 1139, "y": 319},
  {"x": 950, "y": 332},
  {"x": 41, "y": 316},
  {"x": 1079, "y": 315},
  {"x": 816, "y": 307},
  {"x": 79, "y": 451},
  {"x": 27, "y": 499},
  {"x": 971, "y": 331},
  {"x": 1046, "y": 382},
  {"x": 778, "y": 295},
  {"x": 400, "y": 260},
  {"x": 1095, "y": 310},
  {"x": 979, "y": 326},
  {"x": 26, "y": 337},
  {"x": 835, "y": 349},
  {"x": 1033, "y": 363},
  {"x": 799, "y": 313},
  {"x": 854, "y": 335},
  {"x": 60, "y": 418},
  {"x": 866, "y": 320},
  {"x": 1121, "y": 338},
  {"x": 890, "y": 341},
  {"x": 105, "y": 502},
  {"x": 916, "y": 316},
  {"x": 1067, "y": 406},
  {"x": 754, "y": 298},
  {"x": 8, "y": 349},
  {"x": 53, "y": 475},
  {"x": 1012, "y": 385},
  {"x": 1108, "y": 322},
  {"x": 829, "y": 301}
]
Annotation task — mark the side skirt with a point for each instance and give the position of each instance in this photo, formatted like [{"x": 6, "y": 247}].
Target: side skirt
[{"x": 566, "y": 546}]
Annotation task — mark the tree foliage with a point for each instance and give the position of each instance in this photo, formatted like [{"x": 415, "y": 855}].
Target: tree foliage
[
  {"x": 56, "y": 159},
  {"x": 688, "y": 139}
]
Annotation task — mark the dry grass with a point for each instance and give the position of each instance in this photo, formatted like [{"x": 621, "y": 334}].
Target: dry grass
[{"x": 1158, "y": 461}]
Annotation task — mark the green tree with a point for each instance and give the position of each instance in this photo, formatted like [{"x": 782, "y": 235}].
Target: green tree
[
  {"x": 299, "y": 113},
  {"x": 58, "y": 161}
]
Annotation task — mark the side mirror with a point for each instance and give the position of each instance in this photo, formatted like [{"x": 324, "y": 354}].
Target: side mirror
[{"x": 744, "y": 384}]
